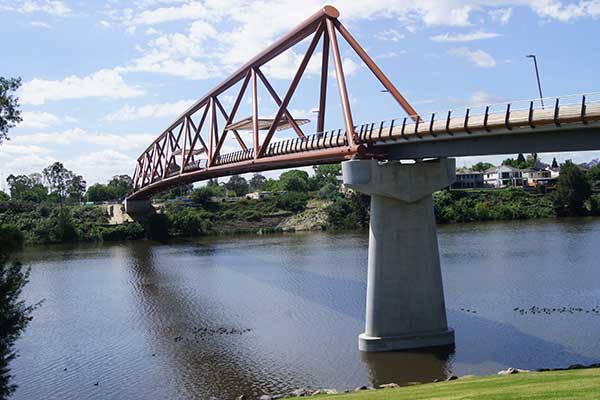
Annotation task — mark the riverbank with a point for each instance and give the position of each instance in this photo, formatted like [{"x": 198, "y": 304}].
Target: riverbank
[{"x": 568, "y": 384}]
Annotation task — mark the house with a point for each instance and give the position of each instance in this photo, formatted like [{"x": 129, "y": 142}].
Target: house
[
  {"x": 468, "y": 179},
  {"x": 503, "y": 176},
  {"x": 259, "y": 195},
  {"x": 534, "y": 177}
]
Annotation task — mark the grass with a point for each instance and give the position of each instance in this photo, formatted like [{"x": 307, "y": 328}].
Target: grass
[{"x": 572, "y": 384}]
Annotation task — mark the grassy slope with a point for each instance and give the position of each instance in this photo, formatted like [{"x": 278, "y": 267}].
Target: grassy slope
[{"x": 573, "y": 384}]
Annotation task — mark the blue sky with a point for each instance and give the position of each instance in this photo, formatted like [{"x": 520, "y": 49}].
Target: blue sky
[{"x": 101, "y": 79}]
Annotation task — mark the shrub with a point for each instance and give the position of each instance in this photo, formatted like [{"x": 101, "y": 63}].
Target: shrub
[{"x": 292, "y": 201}]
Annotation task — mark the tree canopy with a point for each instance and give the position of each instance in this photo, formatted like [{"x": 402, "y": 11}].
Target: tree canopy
[{"x": 10, "y": 115}]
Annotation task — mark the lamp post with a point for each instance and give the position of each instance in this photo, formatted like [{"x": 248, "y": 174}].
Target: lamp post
[{"x": 537, "y": 74}]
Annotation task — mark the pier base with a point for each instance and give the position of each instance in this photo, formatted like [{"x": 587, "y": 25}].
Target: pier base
[
  {"x": 139, "y": 207},
  {"x": 405, "y": 297}
]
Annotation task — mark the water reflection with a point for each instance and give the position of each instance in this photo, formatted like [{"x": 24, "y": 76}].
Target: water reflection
[{"x": 407, "y": 367}]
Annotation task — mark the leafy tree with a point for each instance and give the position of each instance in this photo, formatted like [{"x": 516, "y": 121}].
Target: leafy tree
[
  {"x": 179, "y": 191},
  {"x": 594, "y": 173},
  {"x": 257, "y": 183},
  {"x": 201, "y": 196},
  {"x": 4, "y": 196},
  {"x": 293, "y": 181},
  {"x": 521, "y": 159},
  {"x": 554, "y": 163},
  {"x": 76, "y": 188},
  {"x": 482, "y": 166},
  {"x": 237, "y": 184},
  {"x": 572, "y": 190},
  {"x": 99, "y": 192},
  {"x": 292, "y": 201},
  {"x": 10, "y": 115},
  {"x": 121, "y": 185},
  {"x": 58, "y": 179},
  {"x": 18, "y": 185},
  {"x": 325, "y": 174},
  {"x": 14, "y": 313}
]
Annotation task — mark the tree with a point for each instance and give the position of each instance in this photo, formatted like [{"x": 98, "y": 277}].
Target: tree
[
  {"x": 325, "y": 174},
  {"x": 99, "y": 192},
  {"x": 554, "y": 163},
  {"x": 237, "y": 184},
  {"x": 10, "y": 115},
  {"x": 18, "y": 185},
  {"x": 521, "y": 159},
  {"x": 257, "y": 183},
  {"x": 76, "y": 188},
  {"x": 482, "y": 166},
  {"x": 594, "y": 173},
  {"x": 4, "y": 196},
  {"x": 293, "y": 181},
  {"x": 122, "y": 185},
  {"x": 572, "y": 190},
  {"x": 58, "y": 179},
  {"x": 201, "y": 196},
  {"x": 14, "y": 313}
]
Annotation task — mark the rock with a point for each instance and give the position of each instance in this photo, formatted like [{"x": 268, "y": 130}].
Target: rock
[
  {"x": 452, "y": 378},
  {"x": 64, "y": 369},
  {"x": 508, "y": 371},
  {"x": 389, "y": 385},
  {"x": 358, "y": 389},
  {"x": 324, "y": 391},
  {"x": 300, "y": 392},
  {"x": 96, "y": 384},
  {"x": 241, "y": 397},
  {"x": 265, "y": 397},
  {"x": 436, "y": 380}
]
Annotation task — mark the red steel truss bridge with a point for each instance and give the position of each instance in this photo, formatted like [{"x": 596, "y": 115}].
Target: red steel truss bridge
[{"x": 190, "y": 149}]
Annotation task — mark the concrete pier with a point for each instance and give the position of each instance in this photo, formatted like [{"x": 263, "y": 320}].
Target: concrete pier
[
  {"x": 139, "y": 207},
  {"x": 405, "y": 297}
]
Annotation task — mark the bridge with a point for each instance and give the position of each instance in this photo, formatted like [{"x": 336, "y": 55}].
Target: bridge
[{"x": 405, "y": 300}]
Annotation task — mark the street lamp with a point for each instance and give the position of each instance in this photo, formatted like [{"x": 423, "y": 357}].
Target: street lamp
[{"x": 537, "y": 74}]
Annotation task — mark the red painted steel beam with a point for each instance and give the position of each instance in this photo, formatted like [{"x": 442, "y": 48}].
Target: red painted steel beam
[
  {"x": 341, "y": 82},
  {"x": 376, "y": 70}
]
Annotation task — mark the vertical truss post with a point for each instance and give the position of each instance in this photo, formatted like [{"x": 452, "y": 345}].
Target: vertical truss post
[
  {"x": 255, "y": 113},
  {"x": 184, "y": 159},
  {"x": 213, "y": 120},
  {"x": 323, "y": 95},
  {"x": 341, "y": 81}
]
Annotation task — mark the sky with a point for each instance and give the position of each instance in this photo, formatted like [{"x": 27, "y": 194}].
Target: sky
[{"x": 102, "y": 79}]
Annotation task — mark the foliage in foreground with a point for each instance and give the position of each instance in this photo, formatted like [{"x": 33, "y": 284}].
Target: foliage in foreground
[{"x": 14, "y": 313}]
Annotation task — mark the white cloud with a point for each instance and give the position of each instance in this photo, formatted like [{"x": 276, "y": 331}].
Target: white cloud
[
  {"x": 99, "y": 166},
  {"x": 42, "y": 120},
  {"x": 391, "y": 35},
  {"x": 40, "y": 24},
  {"x": 481, "y": 97},
  {"x": 464, "y": 37},
  {"x": 501, "y": 15},
  {"x": 52, "y": 7},
  {"x": 565, "y": 12},
  {"x": 78, "y": 135},
  {"x": 478, "y": 57},
  {"x": 104, "y": 83},
  {"x": 131, "y": 113}
]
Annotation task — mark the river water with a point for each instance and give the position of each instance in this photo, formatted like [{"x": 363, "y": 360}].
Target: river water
[{"x": 220, "y": 317}]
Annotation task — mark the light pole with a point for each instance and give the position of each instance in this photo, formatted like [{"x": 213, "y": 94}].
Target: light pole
[{"x": 537, "y": 74}]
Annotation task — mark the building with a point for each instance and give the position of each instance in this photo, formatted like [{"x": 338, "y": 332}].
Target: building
[
  {"x": 468, "y": 179},
  {"x": 503, "y": 176},
  {"x": 534, "y": 177}
]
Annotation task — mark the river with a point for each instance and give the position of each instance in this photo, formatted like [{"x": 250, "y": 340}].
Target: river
[{"x": 219, "y": 317}]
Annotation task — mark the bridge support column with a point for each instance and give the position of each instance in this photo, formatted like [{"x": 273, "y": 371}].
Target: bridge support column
[
  {"x": 405, "y": 297},
  {"x": 138, "y": 207}
]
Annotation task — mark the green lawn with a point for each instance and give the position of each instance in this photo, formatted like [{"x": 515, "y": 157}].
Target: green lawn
[{"x": 573, "y": 384}]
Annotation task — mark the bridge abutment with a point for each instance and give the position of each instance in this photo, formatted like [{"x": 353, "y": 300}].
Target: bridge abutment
[
  {"x": 139, "y": 207},
  {"x": 405, "y": 296}
]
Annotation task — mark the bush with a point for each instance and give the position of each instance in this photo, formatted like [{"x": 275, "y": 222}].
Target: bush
[
  {"x": 127, "y": 231},
  {"x": 292, "y": 201},
  {"x": 187, "y": 222},
  {"x": 595, "y": 204},
  {"x": 11, "y": 239}
]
